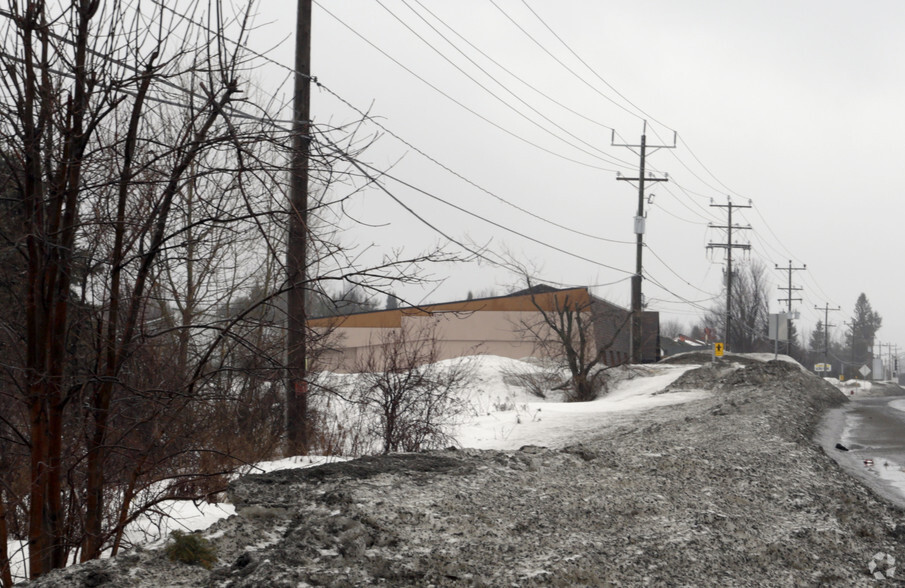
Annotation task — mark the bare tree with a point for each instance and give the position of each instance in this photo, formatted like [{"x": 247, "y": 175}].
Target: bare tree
[
  {"x": 107, "y": 124},
  {"x": 575, "y": 331},
  {"x": 141, "y": 184},
  {"x": 671, "y": 329},
  {"x": 413, "y": 399},
  {"x": 750, "y": 309},
  {"x": 142, "y": 274}
]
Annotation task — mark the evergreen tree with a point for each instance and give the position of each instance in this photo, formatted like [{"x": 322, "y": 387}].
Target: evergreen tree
[
  {"x": 392, "y": 302},
  {"x": 864, "y": 326},
  {"x": 817, "y": 344},
  {"x": 818, "y": 337},
  {"x": 793, "y": 345}
]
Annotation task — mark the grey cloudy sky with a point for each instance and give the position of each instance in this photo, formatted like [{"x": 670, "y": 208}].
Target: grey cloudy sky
[{"x": 795, "y": 105}]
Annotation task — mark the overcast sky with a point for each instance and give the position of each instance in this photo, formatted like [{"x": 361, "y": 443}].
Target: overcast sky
[{"x": 797, "y": 106}]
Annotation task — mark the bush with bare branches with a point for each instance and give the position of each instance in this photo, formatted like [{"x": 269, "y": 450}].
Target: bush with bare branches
[
  {"x": 413, "y": 399},
  {"x": 574, "y": 330}
]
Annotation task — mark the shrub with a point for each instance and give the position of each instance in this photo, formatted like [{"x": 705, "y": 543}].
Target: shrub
[{"x": 192, "y": 549}]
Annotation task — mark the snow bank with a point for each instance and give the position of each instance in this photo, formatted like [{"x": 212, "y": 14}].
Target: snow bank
[
  {"x": 515, "y": 418},
  {"x": 500, "y": 415}
]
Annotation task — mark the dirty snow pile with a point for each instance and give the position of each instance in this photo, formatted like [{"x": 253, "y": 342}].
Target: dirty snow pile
[{"x": 684, "y": 475}]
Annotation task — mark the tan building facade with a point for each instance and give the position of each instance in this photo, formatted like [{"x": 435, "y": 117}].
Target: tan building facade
[{"x": 494, "y": 326}]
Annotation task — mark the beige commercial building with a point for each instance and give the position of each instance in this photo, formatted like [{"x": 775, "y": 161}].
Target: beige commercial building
[{"x": 495, "y": 326}]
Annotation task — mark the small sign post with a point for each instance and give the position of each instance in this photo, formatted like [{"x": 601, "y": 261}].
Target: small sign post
[{"x": 717, "y": 349}]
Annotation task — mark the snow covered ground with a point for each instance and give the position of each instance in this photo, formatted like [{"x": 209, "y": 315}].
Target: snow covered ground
[
  {"x": 717, "y": 491},
  {"x": 508, "y": 417},
  {"x": 500, "y": 415}
]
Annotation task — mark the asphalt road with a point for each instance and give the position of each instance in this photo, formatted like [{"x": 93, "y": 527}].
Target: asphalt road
[{"x": 873, "y": 431}]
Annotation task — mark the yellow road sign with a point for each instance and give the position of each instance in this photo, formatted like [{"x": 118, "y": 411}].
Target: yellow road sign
[{"x": 718, "y": 349}]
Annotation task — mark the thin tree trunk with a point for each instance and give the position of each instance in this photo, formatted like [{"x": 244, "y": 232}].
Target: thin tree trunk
[
  {"x": 38, "y": 535},
  {"x": 6, "y": 577}
]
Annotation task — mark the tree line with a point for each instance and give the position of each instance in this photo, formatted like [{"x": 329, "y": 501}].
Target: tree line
[
  {"x": 750, "y": 327},
  {"x": 143, "y": 224}
]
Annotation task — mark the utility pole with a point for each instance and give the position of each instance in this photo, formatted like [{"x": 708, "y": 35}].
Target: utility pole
[
  {"x": 852, "y": 327},
  {"x": 729, "y": 246},
  {"x": 789, "y": 289},
  {"x": 891, "y": 357},
  {"x": 895, "y": 368},
  {"x": 639, "y": 230},
  {"x": 297, "y": 428},
  {"x": 826, "y": 328},
  {"x": 888, "y": 357}
]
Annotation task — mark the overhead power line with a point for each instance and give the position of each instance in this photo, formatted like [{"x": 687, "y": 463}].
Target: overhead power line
[
  {"x": 680, "y": 186},
  {"x": 465, "y": 179},
  {"x": 561, "y": 62},
  {"x": 488, "y": 221},
  {"x": 459, "y": 103},
  {"x": 603, "y": 155},
  {"x": 320, "y": 84},
  {"x": 505, "y": 69},
  {"x": 280, "y": 124}
]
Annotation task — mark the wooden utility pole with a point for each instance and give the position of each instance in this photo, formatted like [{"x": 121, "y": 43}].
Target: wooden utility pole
[
  {"x": 637, "y": 306},
  {"x": 826, "y": 328},
  {"x": 297, "y": 425},
  {"x": 729, "y": 246},
  {"x": 789, "y": 289},
  {"x": 852, "y": 365}
]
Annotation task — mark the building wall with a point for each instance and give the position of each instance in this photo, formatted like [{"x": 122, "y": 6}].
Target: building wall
[
  {"x": 493, "y": 326},
  {"x": 458, "y": 334}
]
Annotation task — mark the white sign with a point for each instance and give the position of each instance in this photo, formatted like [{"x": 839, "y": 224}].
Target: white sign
[
  {"x": 864, "y": 370},
  {"x": 823, "y": 367},
  {"x": 778, "y": 328}
]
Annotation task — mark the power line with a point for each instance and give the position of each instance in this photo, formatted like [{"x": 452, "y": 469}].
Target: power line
[
  {"x": 321, "y": 85},
  {"x": 464, "y": 178},
  {"x": 277, "y": 122},
  {"x": 457, "y": 102},
  {"x": 669, "y": 267},
  {"x": 504, "y": 68},
  {"x": 704, "y": 219},
  {"x": 682, "y": 299},
  {"x": 606, "y": 157},
  {"x": 363, "y": 169},
  {"x": 508, "y": 203},
  {"x": 491, "y": 222},
  {"x": 560, "y": 62},
  {"x": 374, "y": 121}
]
